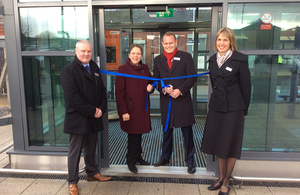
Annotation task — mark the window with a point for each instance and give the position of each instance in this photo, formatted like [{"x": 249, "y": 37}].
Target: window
[
  {"x": 53, "y": 28},
  {"x": 45, "y": 104},
  {"x": 261, "y": 26}
]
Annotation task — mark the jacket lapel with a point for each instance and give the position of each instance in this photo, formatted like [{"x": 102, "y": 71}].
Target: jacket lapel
[
  {"x": 213, "y": 65},
  {"x": 176, "y": 61},
  {"x": 164, "y": 63}
]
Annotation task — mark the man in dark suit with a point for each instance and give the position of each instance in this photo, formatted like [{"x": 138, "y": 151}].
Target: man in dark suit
[
  {"x": 174, "y": 63},
  {"x": 85, "y": 98}
]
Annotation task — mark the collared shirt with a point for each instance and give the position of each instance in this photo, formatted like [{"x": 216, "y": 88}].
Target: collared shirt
[{"x": 85, "y": 65}]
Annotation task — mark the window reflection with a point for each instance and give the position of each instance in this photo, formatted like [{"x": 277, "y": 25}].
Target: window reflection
[
  {"x": 117, "y": 15},
  {"x": 179, "y": 15},
  {"x": 256, "y": 28},
  {"x": 45, "y": 102},
  {"x": 53, "y": 28},
  {"x": 273, "y": 120},
  {"x": 204, "y": 14}
]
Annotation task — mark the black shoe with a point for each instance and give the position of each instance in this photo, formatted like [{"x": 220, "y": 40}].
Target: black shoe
[
  {"x": 161, "y": 163},
  {"x": 214, "y": 187},
  {"x": 132, "y": 168},
  {"x": 191, "y": 168},
  {"x": 225, "y": 193},
  {"x": 142, "y": 161}
]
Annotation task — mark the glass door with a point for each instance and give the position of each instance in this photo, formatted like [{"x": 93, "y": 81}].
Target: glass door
[{"x": 151, "y": 43}]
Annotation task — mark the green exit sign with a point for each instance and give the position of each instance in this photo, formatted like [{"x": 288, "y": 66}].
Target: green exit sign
[{"x": 167, "y": 14}]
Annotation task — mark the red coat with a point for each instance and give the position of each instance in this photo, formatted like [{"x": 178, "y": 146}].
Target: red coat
[{"x": 131, "y": 98}]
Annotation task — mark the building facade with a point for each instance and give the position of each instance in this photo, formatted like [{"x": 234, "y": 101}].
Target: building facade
[{"x": 40, "y": 39}]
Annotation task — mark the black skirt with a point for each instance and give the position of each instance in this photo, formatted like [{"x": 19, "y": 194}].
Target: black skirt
[{"x": 223, "y": 134}]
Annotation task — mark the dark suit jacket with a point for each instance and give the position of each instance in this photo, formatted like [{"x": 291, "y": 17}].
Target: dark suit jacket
[
  {"x": 182, "y": 113},
  {"x": 231, "y": 84},
  {"x": 83, "y": 93}
]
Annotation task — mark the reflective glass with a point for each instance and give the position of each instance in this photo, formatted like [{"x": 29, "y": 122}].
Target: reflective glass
[
  {"x": 117, "y": 15},
  {"x": 178, "y": 15},
  {"x": 204, "y": 14},
  {"x": 274, "y": 112},
  {"x": 150, "y": 42},
  {"x": 112, "y": 106},
  {"x": 202, "y": 66},
  {"x": 53, "y": 28},
  {"x": 45, "y": 102},
  {"x": 261, "y": 26}
]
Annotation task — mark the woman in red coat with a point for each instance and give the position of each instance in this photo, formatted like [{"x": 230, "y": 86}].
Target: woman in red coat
[{"x": 131, "y": 97}]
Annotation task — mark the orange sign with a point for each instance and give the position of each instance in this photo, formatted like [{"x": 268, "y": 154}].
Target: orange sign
[{"x": 112, "y": 38}]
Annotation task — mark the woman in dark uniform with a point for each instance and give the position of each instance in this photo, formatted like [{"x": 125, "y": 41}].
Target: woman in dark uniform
[
  {"x": 229, "y": 102},
  {"x": 131, "y": 97}
]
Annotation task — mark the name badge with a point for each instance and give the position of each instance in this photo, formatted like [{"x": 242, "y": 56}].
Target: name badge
[
  {"x": 228, "y": 68},
  {"x": 96, "y": 74},
  {"x": 176, "y": 58}
]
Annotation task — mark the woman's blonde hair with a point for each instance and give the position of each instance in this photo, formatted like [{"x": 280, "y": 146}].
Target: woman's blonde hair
[{"x": 230, "y": 35}]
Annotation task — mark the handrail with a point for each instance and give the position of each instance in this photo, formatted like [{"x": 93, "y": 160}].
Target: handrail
[
  {"x": 266, "y": 179},
  {"x": 272, "y": 179},
  {"x": 6, "y": 147},
  {"x": 38, "y": 171}
]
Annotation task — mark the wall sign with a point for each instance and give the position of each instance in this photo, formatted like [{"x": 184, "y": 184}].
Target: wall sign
[{"x": 266, "y": 19}]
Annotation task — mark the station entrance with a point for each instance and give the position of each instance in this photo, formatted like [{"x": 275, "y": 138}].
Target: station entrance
[{"x": 193, "y": 28}]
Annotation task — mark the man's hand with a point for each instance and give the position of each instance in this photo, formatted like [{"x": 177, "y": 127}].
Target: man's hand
[
  {"x": 98, "y": 113},
  {"x": 169, "y": 90},
  {"x": 175, "y": 93},
  {"x": 150, "y": 88},
  {"x": 126, "y": 117}
]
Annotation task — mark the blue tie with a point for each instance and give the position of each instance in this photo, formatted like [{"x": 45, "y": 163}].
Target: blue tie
[{"x": 88, "y": 69}]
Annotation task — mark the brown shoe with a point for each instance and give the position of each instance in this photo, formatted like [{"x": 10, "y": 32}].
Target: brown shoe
[
  {"x": 98, "y": 177},
  {"x": 73, "y": 190}
]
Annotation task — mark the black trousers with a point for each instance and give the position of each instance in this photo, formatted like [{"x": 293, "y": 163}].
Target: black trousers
[
  {"x": 78, "y": 143},
  {"x": 134, "y": 148},
  {"x": 189, "y": 147}
]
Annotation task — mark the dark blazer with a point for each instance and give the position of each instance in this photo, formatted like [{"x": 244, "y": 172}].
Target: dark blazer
[
  {"x": 83, "y": 93},
  {"x": 131, "y": 97},
  {"x": 231, "y": 84},
  {"x": 182, "y": 113}
]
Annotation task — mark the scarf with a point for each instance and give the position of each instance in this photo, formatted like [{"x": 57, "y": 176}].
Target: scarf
[
  {"x": 222, "y": 59},
  {"x": 170, "y": 56}
]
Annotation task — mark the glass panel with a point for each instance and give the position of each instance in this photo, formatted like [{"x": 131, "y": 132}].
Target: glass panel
[
  {"x": 273, "y": 120},
  {"x": 204, "y": 14},
  {"x": 150, "y": 42},
  {"x": 45, "y": 102},
  {"x": 125, "y": 46},
  {"x": 117, "y": 15},
  {"x": 179, "y": 15},
  {"x": 261, "y": 26},
  {"x": 202, "y": 81},
  {"x": 53, "y": 28},
  {"x": 185, "y": 41},
  {"x": 111, "y": 79}
]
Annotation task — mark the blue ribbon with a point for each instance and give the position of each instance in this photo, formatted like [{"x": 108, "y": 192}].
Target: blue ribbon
[{"x": 155, "y": 84}]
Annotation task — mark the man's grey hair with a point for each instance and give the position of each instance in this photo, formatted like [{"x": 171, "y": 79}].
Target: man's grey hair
[{"x": 83, "y": 41}]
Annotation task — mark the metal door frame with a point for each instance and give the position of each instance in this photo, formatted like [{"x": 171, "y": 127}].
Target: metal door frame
[{"x": 100, "y": 54}]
